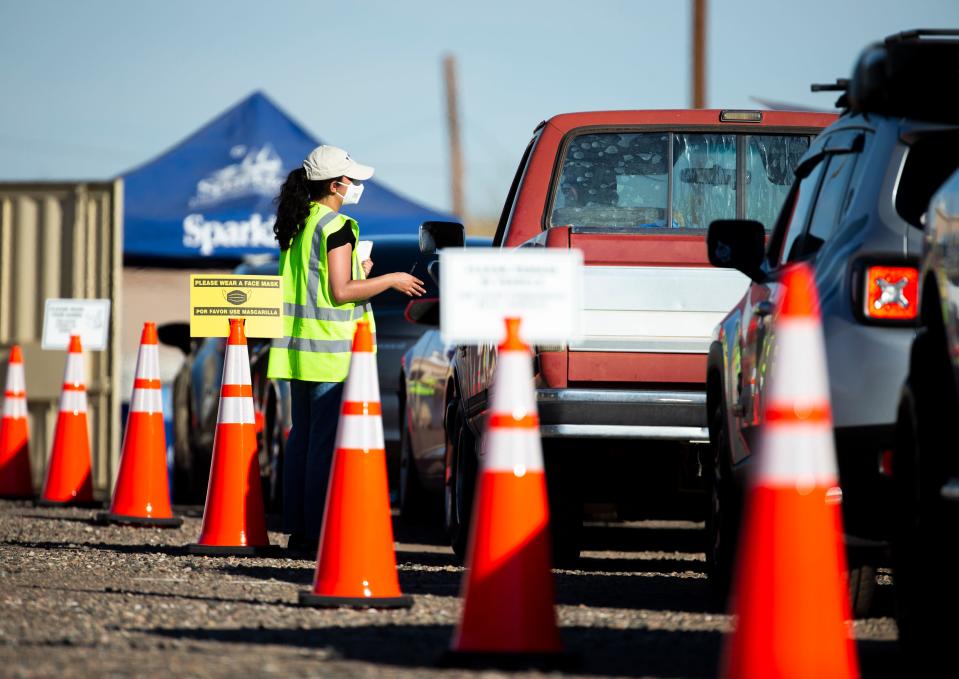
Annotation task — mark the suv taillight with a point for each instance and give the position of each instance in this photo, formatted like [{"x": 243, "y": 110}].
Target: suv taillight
[{"x": 891, "y": 293}]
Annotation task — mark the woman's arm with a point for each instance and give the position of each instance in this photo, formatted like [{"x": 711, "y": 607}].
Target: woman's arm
[{"x": 345, "y": 289}]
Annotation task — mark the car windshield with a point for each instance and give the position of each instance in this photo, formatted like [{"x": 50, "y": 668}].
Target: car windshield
[{"x": 620, "y": 179}]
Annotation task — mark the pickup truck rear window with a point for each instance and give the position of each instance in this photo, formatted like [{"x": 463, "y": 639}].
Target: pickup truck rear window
[{"x": 625, "y": 179}]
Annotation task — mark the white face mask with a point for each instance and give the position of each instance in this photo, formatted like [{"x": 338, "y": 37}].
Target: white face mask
[{"x": 353, "y": 193}]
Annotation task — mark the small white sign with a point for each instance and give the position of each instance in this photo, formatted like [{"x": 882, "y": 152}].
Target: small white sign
[
  {"x": 479, "y": 287},
  {"x": 364, "y": 249},
  {"x": 89, "y": 318}
]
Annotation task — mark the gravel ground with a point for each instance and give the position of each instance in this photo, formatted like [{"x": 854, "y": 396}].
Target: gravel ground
[{"x": 82, "y": 600}]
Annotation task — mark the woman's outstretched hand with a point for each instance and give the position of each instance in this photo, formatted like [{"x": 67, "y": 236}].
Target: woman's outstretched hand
[{"x": 410, "y": 286}]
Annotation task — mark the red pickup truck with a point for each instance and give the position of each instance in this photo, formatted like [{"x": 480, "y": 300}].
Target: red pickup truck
[{"x": 623, "y": 410}]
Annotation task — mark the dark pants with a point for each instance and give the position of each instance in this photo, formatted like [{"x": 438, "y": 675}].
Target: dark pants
[{"x": 315, "y": 410}]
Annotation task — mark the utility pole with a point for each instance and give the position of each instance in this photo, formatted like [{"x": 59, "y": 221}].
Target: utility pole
[
  {"x": 699, "y": 53},
  {"x": 453, "y": 124}
]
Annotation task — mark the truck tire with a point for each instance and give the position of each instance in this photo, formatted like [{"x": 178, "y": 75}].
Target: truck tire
[
  {"x": 460, "y": 483},
  {"x": 862, "y": 586},
  {"x": 725, "y": 510},
  {"x": 564, "y": 490}
]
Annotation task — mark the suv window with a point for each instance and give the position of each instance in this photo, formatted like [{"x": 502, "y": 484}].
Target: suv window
[
  {"x": 770, "y": 162},
  {"x": 826, "y": 215},
  {"x": 930, "y": 161},
  {"x": 795, "y": 215}
]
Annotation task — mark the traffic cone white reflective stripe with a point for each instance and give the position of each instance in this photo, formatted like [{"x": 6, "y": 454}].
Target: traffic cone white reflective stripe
[
  {"x": 147, "y": 390},
  {"x": 361, "y": 421},
  {"x": 15, "y": 394},
  {"x": 16, "y": 480},
  {"x": 73, "y": 397},
  {"x": 797, "y": 439},
  {"x": 236, "y": 394},
  {"x": 512, "y": 441}
]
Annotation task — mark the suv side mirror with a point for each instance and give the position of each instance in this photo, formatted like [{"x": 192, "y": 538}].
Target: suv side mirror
[
  {"x": 424, "y": 311},
  {"x": 438, "y": 235},
  {"x": 737, "y": 244}
]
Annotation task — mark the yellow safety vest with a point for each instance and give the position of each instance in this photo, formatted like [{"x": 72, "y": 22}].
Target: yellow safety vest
[{"x": 317, "y": 332}]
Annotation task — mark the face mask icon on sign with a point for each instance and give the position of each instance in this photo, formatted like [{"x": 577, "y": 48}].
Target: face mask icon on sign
[{"x": 237, "y": 297}]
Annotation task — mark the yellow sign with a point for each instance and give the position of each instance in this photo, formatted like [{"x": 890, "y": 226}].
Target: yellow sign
[{"x": 214, "y": 299}]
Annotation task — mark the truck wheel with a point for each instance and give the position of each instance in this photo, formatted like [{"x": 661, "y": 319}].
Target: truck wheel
[
  {"x": 564, "y": 490},
  {"x": 460, "y": 481},
  {"x": 862, "y": 586},
  {"x": 724, "y": 514},
  {"x": 412, "y": 499},
  {"x": 923, "y": 546}
]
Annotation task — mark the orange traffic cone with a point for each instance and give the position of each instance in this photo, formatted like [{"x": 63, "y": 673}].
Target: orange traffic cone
[
  {"x": 69, "y": 476},
  {"x": 356, "y": 565},
  {"x": 509, "y": 618},
  {"x": 142, "y": 493},
  {"x": 790, "y": 592},
  {"x": 233, "y": 519},
  {"x": 15, "y": 479}
]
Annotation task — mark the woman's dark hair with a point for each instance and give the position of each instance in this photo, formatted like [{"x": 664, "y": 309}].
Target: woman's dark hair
[{"x": 293, "y": 204}]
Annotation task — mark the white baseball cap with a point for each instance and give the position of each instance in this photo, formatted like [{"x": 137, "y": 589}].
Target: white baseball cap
[{"x": 327, "y": 162}]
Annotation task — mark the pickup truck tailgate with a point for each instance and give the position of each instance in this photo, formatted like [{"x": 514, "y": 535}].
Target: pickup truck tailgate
[{"x": 655, "y": 309}]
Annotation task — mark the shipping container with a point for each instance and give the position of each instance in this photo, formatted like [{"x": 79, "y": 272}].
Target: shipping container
[{"x": 63, "y": 240}]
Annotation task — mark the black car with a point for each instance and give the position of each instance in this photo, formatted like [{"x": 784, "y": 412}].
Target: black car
[
  {"x": 855, "y": 214},
  {"x": 197, "y": 384},
  {"x": 925, "y": 548}
]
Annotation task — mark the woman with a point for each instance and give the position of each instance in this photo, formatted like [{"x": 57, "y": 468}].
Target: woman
[{"x": 325, "y": 294}]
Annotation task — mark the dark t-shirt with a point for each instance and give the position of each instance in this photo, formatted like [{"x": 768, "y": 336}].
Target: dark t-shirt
[{"x": 341, "y": 237}]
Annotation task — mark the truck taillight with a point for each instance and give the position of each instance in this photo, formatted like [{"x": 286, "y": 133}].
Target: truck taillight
[{"x": 891, "y": 293}]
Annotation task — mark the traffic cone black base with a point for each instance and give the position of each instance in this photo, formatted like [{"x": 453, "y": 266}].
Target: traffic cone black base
[
  {"x": 267, "y": 551},
  {"x": 318, "y": 601},
  {"x": 563, "y": 661},
  {"x": 83, "y": 504},
  {"x": 107, "y": 518}
]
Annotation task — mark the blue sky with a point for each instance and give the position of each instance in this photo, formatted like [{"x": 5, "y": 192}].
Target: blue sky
[{"x": 90, "y": 89}]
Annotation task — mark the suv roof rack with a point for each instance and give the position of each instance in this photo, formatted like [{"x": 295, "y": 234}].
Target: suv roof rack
[
  {"x": 911, "y": 74},
  {"x": 841, "y": 85},
  {"x": 917, "y": 33}
]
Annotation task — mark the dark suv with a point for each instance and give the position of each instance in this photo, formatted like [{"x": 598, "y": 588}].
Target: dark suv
[
  {"x": 925, "y": 549},
  {"x": 855, "y": 214}
]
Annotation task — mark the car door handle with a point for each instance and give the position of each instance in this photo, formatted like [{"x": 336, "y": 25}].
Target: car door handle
[{"x": 763, "y": 309}]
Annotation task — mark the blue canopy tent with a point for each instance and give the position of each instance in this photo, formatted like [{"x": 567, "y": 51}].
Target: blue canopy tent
[{"x": 211, "y": 196}]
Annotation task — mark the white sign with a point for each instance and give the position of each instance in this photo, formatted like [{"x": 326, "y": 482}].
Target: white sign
[
  {"x": 364, "y": 249},
  {"x": 480, "y": 287},
  {"x": 89, "y": 318}
]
